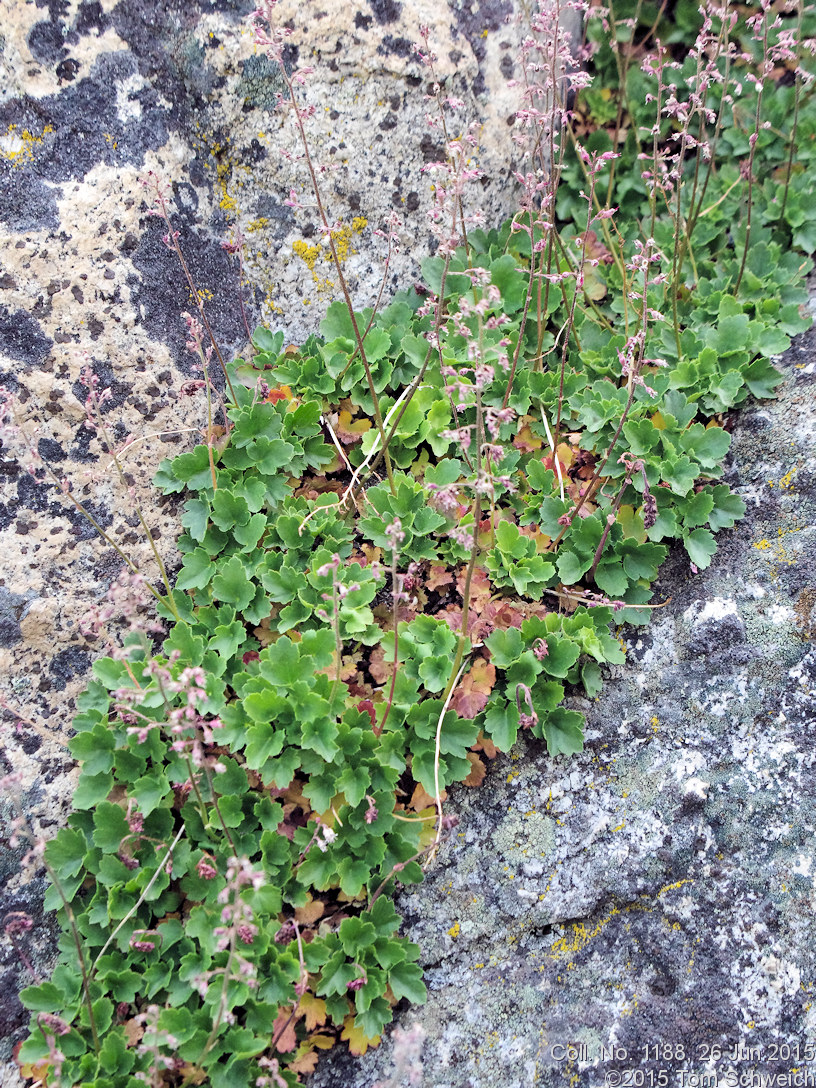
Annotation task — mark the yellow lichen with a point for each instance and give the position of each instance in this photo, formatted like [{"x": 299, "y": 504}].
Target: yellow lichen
[
  {"x": 308, "y": 254},
  {"x": 454, "y": 930},
  {"x": 17, "y": 147}
]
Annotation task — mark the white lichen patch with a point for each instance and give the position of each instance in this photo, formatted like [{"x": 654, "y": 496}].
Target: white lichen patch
[{"x": 715, "y": 609}]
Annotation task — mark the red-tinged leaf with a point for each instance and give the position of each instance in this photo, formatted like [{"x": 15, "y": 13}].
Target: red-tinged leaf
[
  {"x": 594, "y": 247},
  {"x": 473, "y": 690},
  {"x": 438, "y": 576},
  {"x": 380, "y": 670},
  {"x": 367, "y": 707},
  {"x": 283, "y": 392},
  {"x": 287, "y": 1041},
  {"x": 477, "y": 771}
]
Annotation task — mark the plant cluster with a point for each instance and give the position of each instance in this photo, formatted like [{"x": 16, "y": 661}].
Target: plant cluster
[{"x": 409, "y": 541}]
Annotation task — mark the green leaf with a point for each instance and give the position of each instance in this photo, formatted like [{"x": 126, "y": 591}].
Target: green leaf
[
  {"x": 762, "y": 378},
  {"x": 591, "y": 678},
  {"x": 150, "y": 790},
  {"x": 506, "y": 646},
  {"x": 194, "y": 468},
  {"x": 232, "y": 585},
  {"x": 562, "y": 655},
  {"x": 280, "y": 663},
  {"x": 708, "y": 444},
  {"x": 405, "y": 979},
  {"x": 44, "y": 997},
  {"x": 229, "y": 510},
  {"x": 772, "y": 341},
  {"x": 501, "y": 725},
  {"x": 196, "y": 571},
  {"x": 356, "y": 935},
  {"x": 728, "y": 508},
  {"x": 196, "y": 517},
  {"x": 113, "y": 674},
  {"x": 66, "y": 852},
  {"x": 267, "y": 341},
  {"x": 700, "y": 546},
  {"x": 110, "y": 827},
  {"x": 564, "y": 732},
  {"x": 248, "y": 535},
  {"x": 679, "y": 473},
  {"x": 114, "y": 1056},
  {"x": 94, "y": 748},
  {"x": 91, "y": 789},
  {"x": 336, "y": 974},
  {"x": 166, "y": 480}
]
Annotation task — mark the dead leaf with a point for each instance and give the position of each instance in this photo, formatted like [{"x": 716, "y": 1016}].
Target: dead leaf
[
  {"x": 477, "y": 771},
  {"x": 487, "y": 746},
  {"x": 421, "y": 800},
  {"x": 36, "y": 1071},
  {"x": 193, "y": 1074},
  {"x": 309, "y": 914},
  {"x": 350, "y": 430},
  {"x": 314, "y": 1010},
  {"x": 133, "y": 1031},
  {"x": 525, "y": 440},
  {"x": 370, "y": 554},
  {"x": 306, "y": 1063},
  {"x": 288, "y": 1039},
  {"x": 473, "y": 690},
  {"x": 438, "y": 576},
  {"x": 480, "y": 587}
]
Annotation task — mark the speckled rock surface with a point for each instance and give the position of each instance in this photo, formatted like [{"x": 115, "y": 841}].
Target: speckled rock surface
[{"x": 655, "y": 892}]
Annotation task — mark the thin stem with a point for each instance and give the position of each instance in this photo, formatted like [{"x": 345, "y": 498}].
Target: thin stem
[
  {"x": 339, "y": 269},
  {"x": 172, "y": 235},
  {"x": 753, "y": 140},
  {"x": 159, "y": 870},
  {"x": 78, "y": 944},
  {"x": 610, "y": 521},
  {"x": 437, "y": 757},
  {"x": 394, "y": 594}
]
